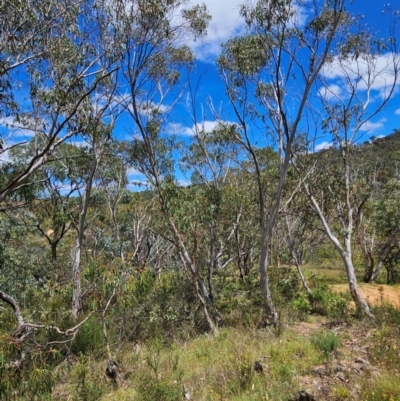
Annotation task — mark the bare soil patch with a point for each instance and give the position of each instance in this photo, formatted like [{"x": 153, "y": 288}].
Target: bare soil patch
[
  {"x": 348, "y": 368},
  {"x": 376, "y": 294}
]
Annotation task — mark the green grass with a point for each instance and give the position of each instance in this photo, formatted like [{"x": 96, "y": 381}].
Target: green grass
[
  {"x": 220, "y": 368},
  {"x": 216, "y": 368},
  {"x": 326, "y": 342}
]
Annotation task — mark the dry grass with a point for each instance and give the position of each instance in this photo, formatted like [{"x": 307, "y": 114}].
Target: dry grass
[
  {"x": 222, "y": 367},
  {"x": 364, "y": 367},
  {"x": 375, "y": 294}
]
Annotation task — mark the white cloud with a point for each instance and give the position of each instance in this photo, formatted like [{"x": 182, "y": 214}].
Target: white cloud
[
  {"x": 225, "y": 23},
  {"x": 78, "y": 144},
  {"x": 147, "y": 108},
  {"x": 184, "y": 183},
  {"x": 137, "y": 185},
  {"x": 322, "y": 146},
  {"x": 332, "y": 91},
  {"x": 7, "y": 144},
  {"x": 16, "y": 129},
  {"x": 371, "y": 127},
  {"x": 180, "y": 129},
  {"x": 397, "y": 112},
  {"x": 6, "y": 121},
  {"x": 177, "y": 129},
  {"x": 132, "y": 171},
  {"x": 206, "y": 126},
  {"x": 367, "y": 72},
  {"x": 5, "y": 157}
]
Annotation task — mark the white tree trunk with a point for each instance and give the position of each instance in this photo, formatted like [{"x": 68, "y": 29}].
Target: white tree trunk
[
  {"x": 345, "y": 254},
  {"x": 77, "y": 306},
  {"x": 272, "y": 313}
]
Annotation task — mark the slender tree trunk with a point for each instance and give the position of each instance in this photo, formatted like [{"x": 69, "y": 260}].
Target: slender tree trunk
[
  {"x": 242, "y": 257},
  {"x": 202, "y": 293},
  {"x": 211, "y": 264},
  {"x": 359, "y": 300},
  {"x": 271, "y": 311},
  {"x": 383, "y": 255},
  {"x": 302, "y": 278},
  {"x": 345, "y": 254},
  {"x": 369, "y": 262},
  {"x": 376, "y": 272},
  {"x": 113, "y": 206},
  {"x": 77, "y": 306},
  {"x": 54, "y": 251}
]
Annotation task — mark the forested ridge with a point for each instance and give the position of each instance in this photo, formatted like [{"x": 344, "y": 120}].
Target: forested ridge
[{"x": 228, "y": 285}]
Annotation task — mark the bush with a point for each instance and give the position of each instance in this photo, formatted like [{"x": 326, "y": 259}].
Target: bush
[
  {"x": 148, "y": 308},
  {"x": 87, "y": 387},
  {"x": 152, "y": 390},
  {"x": 301, "y": 306},
  {"x": 325, "y": 302},
  {"x": 286, "y": 281},
  {"x": 90, "y": 338},
  {"x": 34, "y": 378},
  {"x": 326, "y": 342}
]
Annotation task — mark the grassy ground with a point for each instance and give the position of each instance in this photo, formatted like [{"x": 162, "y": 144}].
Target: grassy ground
[
  {"x": 322, "y": 349},
  {"x": 346, "y": 361}
]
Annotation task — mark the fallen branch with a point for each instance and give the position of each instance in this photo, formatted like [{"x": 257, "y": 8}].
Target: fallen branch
[
  {"x": 103, "y": 316},
  {"x": 13, "y": 303},
  {"x": 25, "y": 328},
  {"x": 70, "y": 332}
]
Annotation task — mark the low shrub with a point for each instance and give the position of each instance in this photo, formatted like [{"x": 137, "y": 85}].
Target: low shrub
[
  {"x": 86, "y": 385},
  {"x": 151, "y": 390},
  {"x": 326, "y": 342},
  {"x": 328, "y": 303}
]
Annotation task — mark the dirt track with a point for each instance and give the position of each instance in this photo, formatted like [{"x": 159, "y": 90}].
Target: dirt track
[{"x": 376, "y": 293}]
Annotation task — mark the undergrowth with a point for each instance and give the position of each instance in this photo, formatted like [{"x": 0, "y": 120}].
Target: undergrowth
[{"x": 177, "y": 355}]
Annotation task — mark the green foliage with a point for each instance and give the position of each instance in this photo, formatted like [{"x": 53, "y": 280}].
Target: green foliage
[
  {"x": 86, "y": 386},
  {"x": 324, "y": 301},
  {"x": 239, "y": 301},
  {"x": 150, "y": 390},
  {"x": 286, "y": 281},
  {"x": 326, "y": 342},
  {"x": 151, "y": 385},
  {"x": 90, "y": 339},
  {"x": 385, "y": 348},
  {"x": 244, "y": 56},
  {"x": 301, "y": 306},
  {"x": 34, "y": 380},
  {"x": 149, "y": 308},
  {"x": 383, "y": 388}
]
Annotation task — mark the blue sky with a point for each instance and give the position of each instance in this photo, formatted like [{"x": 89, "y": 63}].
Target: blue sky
[{"x": 226, "y": 23}]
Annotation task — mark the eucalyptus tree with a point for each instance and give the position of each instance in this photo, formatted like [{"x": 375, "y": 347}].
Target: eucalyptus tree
[
  {"x": 270, "y": 73},
  {"x": 54, "y": 57},
  {"x": 385, "y": 225},
  {"x": 377, "y": 222},
  {"x": 246, "y": 233},
  {"x": 210, "y": 157},
  {"x": 112, "y": 184},
  {"x": 51, "y": 207},
  {"x": 153, "y": 67},
  {"x": 300, "y": 236},
  {"x": 97, "y": 139},
  {"x": 367, "y": 70}
]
